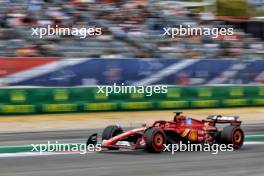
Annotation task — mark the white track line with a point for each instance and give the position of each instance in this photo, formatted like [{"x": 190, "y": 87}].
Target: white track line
[
  {"x": 26, "y": 154},
  {"x": 254, "y": 143}
]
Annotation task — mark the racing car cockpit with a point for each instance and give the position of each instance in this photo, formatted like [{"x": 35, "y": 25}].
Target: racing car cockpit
[{"x": 179, "y": 117}]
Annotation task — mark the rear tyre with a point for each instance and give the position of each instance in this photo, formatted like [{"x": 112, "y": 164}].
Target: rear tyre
[
  {"x": 155, "y": 140},
  {"x": 111, "y": 131},
  {"x": 233, "y": 135}
]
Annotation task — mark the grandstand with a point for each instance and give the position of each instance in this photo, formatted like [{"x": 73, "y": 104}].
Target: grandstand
[{"x": 130, "y": 29}]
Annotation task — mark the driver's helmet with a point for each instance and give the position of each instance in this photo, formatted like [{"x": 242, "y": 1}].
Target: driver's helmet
[
  {"x": 182, "y": 117},
  {"x": 179, "y": 118}
]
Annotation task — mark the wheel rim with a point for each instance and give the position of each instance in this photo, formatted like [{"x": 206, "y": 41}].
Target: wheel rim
[
  {"x": 237, "y": 137},
  {"x": 158, "y": 140}
]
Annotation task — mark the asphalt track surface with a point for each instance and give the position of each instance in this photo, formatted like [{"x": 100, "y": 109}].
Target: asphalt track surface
[{"x": 244, "y": 162}]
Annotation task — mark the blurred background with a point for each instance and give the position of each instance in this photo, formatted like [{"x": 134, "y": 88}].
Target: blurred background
[
  {"x": 41, "y": 78},
  {"x": 131, "y": 49}
]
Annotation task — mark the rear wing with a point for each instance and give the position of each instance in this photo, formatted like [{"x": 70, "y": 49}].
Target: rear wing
[{"x": 233, "y": 120}]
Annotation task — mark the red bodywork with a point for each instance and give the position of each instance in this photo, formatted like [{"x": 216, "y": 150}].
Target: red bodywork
[{"x": 180, "y": 129}]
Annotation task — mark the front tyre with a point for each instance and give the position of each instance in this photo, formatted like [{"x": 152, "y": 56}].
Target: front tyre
[
  {"x": 155, "y": 140},
  {"x": 111, "y": 131},
  {"x": 233, "y": 135}
]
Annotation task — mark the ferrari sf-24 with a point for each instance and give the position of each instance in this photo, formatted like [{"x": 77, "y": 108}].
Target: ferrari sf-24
[{"x": 216, "y": 129}]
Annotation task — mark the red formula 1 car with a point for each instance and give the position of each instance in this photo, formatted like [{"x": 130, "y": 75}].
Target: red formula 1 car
[{"x": 181, "y": 128}]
